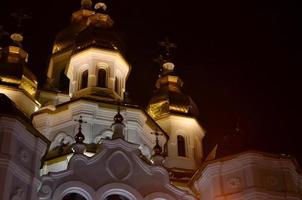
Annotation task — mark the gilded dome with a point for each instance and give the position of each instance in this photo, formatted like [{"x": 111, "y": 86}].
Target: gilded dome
[
  {"x": 169, "y": 98},
  {"x": 14, "y": 72},
  {"x": 88, "y": 28},
  {"x": 65, "y": 39}
]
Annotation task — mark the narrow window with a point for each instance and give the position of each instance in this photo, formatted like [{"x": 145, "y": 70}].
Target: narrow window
[
  {"x": 181, "y": 146},
  {"x": 101, "y": 78},
  {"x": 84, "y": 79},
  {"x": 73, "y": 196},
  {"x": 117, "y": 85}
]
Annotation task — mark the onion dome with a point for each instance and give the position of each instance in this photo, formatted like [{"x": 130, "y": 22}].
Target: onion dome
[
  {"x": 118, "y": 118},
  {"x": 118, "y": 126},
  {"x": 64, "y": 40},
  {"x": 79, "y": 147},
  {"x": 157, "y": 156},
  {"x": 88, "y": 28},
  {"x": 13, "y": 67},
  {"x": 157, "y": 149},
  {"x": 79, "y": 138},
  {"x": 168, "y": 96}
]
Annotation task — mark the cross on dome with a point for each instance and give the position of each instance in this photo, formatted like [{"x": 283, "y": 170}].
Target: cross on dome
[
  {"x": 167, "y": 45},
  {"x": 157, "y": 148},
  {"x": 20, "y": 16}
]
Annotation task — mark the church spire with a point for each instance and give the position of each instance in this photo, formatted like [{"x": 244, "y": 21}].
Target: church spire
[
  {"x": 165, "y": 61},
  {"x": 168, "y": 96},
  {"x": 17, "y": 37},
  {"x": 168, "y": 46},
  {"x": 157, "y": 156},
  {"x": 79, "y": 147}
]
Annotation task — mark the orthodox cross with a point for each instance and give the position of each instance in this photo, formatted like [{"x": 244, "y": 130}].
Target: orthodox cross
[
  {"x": 167, "y": 45},
  {"x": 79, "y": 136},
  {"x": 20, "y": 16},
  {"x": 160, "y": 60}
]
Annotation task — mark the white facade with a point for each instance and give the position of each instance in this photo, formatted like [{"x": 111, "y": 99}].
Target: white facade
[
  {"x": 249, "y": 175},
  {"x": 190, "y": 129},
  {"x": 128, "y": 167},
  {"x": 117, "y": 170},
  {"x": 59, "y": 126},
  {"x": 21, "y": 151}
]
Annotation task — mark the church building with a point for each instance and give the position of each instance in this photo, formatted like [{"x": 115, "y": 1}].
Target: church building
[{"x": 79, "y": 137}]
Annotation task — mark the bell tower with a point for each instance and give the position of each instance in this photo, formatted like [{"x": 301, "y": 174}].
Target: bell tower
[{"x": 176, "y": 113}]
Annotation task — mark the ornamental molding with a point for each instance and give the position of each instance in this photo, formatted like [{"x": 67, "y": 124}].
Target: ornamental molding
[{"x": 118, "y": 163}]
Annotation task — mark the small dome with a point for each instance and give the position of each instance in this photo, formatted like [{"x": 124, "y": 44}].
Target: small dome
[
  {"x": 14, "y": 71},
  {"x": 118, "y": 118},
  {"x": 87, "y": 29},
  {"x": 157, "y": 149},
  {"x": 169, "y": 98},
  {"x": 98, "y": 37},
  {"x": 79, "y": 138}
]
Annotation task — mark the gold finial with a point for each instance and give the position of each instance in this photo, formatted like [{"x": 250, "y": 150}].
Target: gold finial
[
  {"x": 86, "y": 4},
  {"x": 17, "y": 37},
  {"x": 100, "y": 6}
]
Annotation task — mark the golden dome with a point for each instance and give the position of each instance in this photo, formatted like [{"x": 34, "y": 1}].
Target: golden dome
[
  {"x": 168, "y": 98},
  {"x": 14, "y": 72},
  {"x": 88, "y": 28}
]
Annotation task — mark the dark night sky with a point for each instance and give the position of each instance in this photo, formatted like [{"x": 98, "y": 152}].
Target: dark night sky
[{"x": 237, "y": 59}]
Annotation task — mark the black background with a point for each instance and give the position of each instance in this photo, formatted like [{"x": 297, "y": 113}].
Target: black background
[{"x": 238, "y": 59}]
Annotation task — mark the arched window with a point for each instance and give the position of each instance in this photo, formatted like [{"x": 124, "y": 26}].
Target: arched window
[
  {"x": 116, "y": 197},
  {"x": 101, "y": 78},
  {"x": 84, "y": 79},
  {"x": 117, "y": 85},
  {"x": 73, "y": 196},
  {"x": 181, "y": 146}
]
